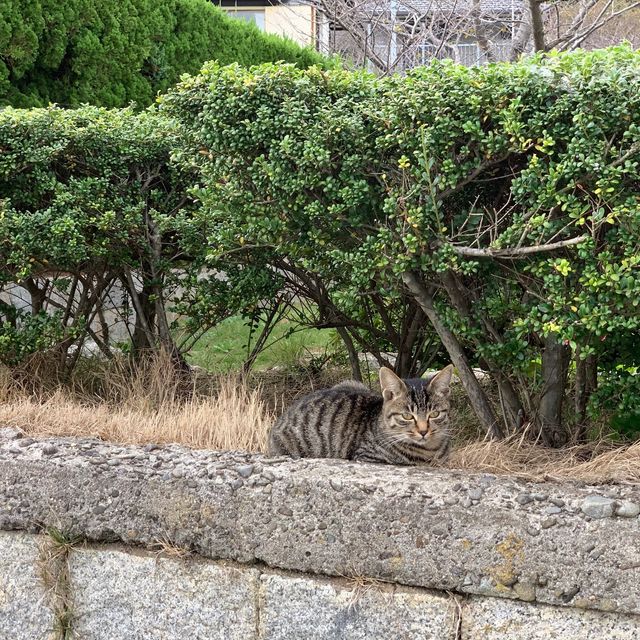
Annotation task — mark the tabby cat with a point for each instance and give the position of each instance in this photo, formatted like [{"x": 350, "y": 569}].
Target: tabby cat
[{"x": 408, "y": 424}]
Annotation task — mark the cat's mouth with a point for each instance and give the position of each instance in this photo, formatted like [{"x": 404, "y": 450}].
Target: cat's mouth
[
  {"x": 427, "y": 439},
  {"x": 422, "y": 438}
]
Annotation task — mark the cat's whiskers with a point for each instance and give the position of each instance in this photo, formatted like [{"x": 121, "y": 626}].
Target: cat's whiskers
[{"x": 395, "y": 438}]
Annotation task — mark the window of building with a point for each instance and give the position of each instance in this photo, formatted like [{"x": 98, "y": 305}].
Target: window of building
[{"x": 249, "y": 15}]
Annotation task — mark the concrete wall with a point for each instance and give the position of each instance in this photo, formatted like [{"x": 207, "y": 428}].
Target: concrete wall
[
  {"x": 258, "y": 548},
  {"x": 118, "y": 312}
]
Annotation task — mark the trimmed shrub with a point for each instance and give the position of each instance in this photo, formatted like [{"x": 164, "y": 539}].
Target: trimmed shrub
[
  {"x": 96, "y": 229},
  {"x": 500, "y": 202},
  {"x": 113, "y": 52},
  {"x": 492, "y": 211}
]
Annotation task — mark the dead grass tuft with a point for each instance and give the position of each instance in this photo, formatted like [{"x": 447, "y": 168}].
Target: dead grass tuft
[
  {"x": 143, "y": 406},
  {"x": 53, "y": 570},
  {"x": 601, "y": 461},
  {"x": 163, "y": 547},
  {"x": 360, "y": 586}
]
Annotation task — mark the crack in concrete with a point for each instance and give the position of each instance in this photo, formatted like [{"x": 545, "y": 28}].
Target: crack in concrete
[{"x": 53, "y": 570}]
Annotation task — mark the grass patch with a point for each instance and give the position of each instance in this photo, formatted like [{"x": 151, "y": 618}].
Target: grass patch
[
  {"x": 139, "y": 406},
  {"x": 225, "y": 347},
  {"x": 601, "y": 461},
  {"x": 234, "y": 418}
]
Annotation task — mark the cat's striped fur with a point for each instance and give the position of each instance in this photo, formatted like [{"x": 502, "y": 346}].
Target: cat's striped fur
[{"x": 408, "y": 424}]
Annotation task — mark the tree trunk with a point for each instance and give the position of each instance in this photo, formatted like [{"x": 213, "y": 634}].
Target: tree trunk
[
  {"x": 157, "y": 278},
  {"x": 520, "y": 41},
  {"x": 477, "y": 396},
  {"x": 512, "y": 410},
  {"x": 461, "y": 299},
  {"x": 537, "y": 25},
  {"x": 555, "y": 366},
  {"x": 410, "y": 337},
  {"x": 354, "y": 361},
  {"x": 585, "y": 385},
  {"x": 142, "y": 339},
  {"x": 38, "y": 296}
]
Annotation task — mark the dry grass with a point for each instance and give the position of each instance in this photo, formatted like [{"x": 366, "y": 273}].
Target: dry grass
[
  {"x": 148, "y": 405},
  {"x": 235, "y": 418},
  {"x": 164, "y": 548},
  {"x": 152, "y": 405},
  {"x": 361, "y": 586},
  {"x": 281, "y": 387},
  {"x": 596, "y": 462},
  {"x": 53, "y": 571}
]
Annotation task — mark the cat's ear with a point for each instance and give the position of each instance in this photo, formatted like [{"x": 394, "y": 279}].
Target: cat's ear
[
  {"x": 392, "y": 386},
  {"x": 439, "y": 384}
]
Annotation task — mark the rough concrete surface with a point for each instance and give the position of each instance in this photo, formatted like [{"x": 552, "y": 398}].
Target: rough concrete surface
[
  {"x": 24, "y": 614},
  {"x": 304, "y": 609},
  {"x": 126, "y": 596},
  {"x": 468, "y": 533},
  {"x": 120, "y": 594},
  {"x": 124, "y": 593},
  {"x": 497, "y": 619}
]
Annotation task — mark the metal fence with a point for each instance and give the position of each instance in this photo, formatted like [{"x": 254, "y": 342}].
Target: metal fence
[{"x": 469, "y": 54}]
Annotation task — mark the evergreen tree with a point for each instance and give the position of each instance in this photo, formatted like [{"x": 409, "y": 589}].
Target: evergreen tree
[{"x": 113, "y": 52}]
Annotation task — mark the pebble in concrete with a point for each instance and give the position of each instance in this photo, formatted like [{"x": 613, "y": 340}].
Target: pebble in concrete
[
  {"x": 598, "y": 507},
  {"x": 245, "y": 470},
  {"x": 628, "y": 509}
]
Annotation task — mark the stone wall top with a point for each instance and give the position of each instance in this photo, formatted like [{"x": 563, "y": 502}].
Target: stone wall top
[{"x": 566, "y": 544}]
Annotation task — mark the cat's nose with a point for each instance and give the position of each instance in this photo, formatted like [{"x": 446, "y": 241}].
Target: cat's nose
[{"x": 423, "y": 428}]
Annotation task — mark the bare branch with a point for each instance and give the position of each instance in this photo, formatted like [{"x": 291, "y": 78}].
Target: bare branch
[
  {"x": 394, "y": 35},
  {"x": 517, "y": 252}
]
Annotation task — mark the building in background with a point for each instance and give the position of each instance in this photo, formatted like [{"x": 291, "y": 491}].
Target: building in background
[
  {"x": 390, "y": 35},
  {"x": 298, "y": 21}
]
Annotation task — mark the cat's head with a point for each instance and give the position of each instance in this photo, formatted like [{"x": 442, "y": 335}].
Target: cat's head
[{"x": 417, "y": 412}]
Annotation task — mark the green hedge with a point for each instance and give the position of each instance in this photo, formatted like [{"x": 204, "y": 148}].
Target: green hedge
[
  {"x": 97, "y": 227},
  {"x": 113, "y": 52},
  {"x": 503, "y": 200},
  {"x": 491, "y": 210}
]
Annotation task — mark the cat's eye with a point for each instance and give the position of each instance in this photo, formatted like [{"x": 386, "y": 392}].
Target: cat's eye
[
  {"x": 434, "y": 414},
  {"x": 408, "y": 417}
]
